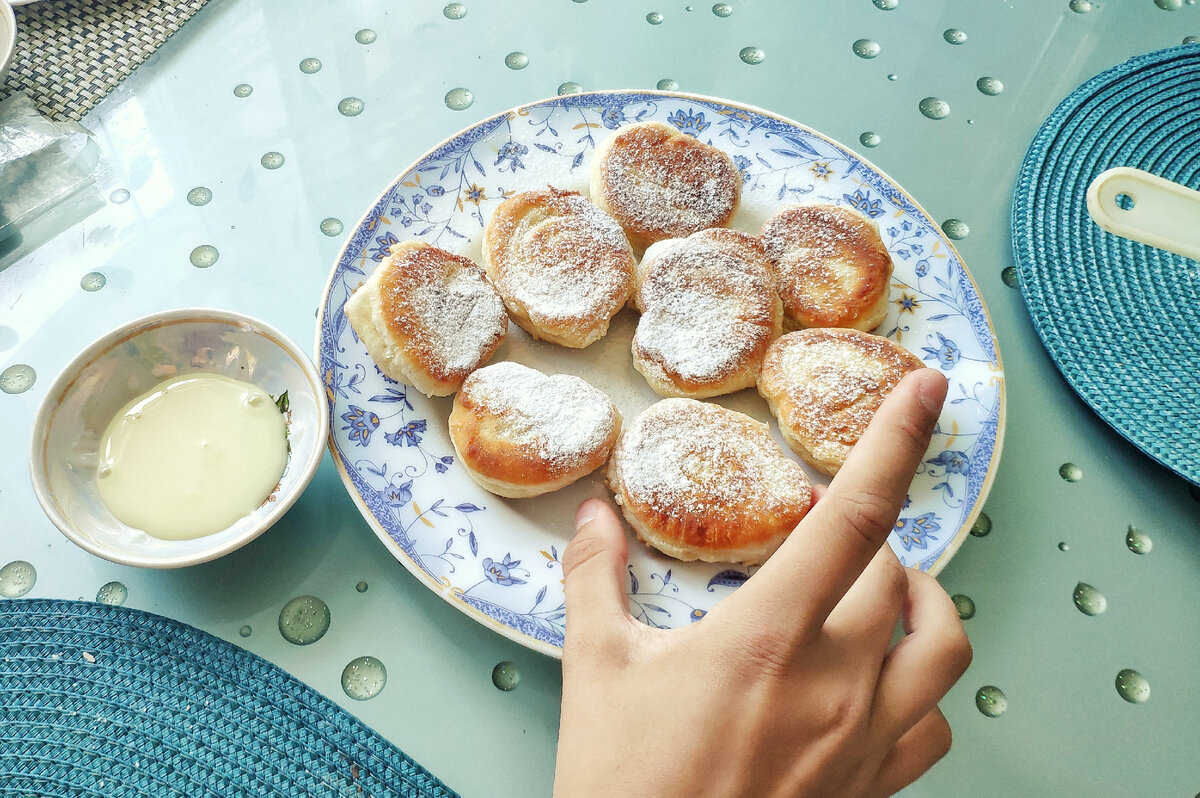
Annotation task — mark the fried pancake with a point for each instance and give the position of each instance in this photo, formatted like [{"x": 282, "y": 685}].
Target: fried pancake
[
  {"x": 699, "y": 482},
  {"x": 832, "y": 265},
  {"x": 428, "y": 317},
  {"x": 562, "y": 266},
  {"x": 659, "y": 183},
  {"x": 709, "y": 312},
  {"x": 824, "y": 386},
  {"x": 522, "y": 433}
]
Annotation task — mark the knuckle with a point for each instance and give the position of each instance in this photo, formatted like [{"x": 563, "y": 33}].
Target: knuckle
[
  {"x": 913, "y": 433},
  {"x": 583, "y": 548},
  {"x": 897, "y": 585},
  {"x": 869, "y": 515},
  {"x": 958, "y": 651},
  {"x": 940, "y": 737}
]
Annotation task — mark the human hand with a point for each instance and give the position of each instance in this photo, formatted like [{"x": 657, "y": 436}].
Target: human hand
[{"x": 790, "y": 686}]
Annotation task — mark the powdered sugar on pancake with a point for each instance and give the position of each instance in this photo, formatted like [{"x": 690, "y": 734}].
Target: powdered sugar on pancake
[
  {"x": 560, "y": 257},
  {"x": 685, "y": 458},
  {"x": 561, "y": 419},
  {"x": 443, "y": 305},
  {"x": 660, "y": 183},
  {"x": 708, "y": 306}
]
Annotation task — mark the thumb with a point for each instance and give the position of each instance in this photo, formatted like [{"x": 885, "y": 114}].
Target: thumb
[{"x": 594, "y": 578}]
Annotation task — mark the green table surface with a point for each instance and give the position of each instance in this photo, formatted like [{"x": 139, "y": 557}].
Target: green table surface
[{"x": 177, "y": 124}]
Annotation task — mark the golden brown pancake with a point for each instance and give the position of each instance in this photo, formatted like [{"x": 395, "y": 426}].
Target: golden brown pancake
[
  {"x": 659, "y": 183},
  {"x": 428, "y": 317},
  {"x": 709, "y": 312},
  {"x": 824, "y": 386},
  {"x": 522, "y": 433},
  {"x": 562, "y": 265},
  {"x": 832, "y": 265},
  {"x": 700, "y": 482}
]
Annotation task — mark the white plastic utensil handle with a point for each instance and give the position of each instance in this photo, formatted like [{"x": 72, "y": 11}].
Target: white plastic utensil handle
[{"x": 1135, "y": 204}]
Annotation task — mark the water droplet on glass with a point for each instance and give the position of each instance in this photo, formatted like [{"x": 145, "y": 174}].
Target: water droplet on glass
[
  {"x": 351, "y": 106},
  {"x": 578, "y": 1},
  {"x": 17, "y": 378},
  {"x": 204, "y": 256},
  {"x": 331, "y": 226},
  {"x": 459, "y": 99},
  {"x": 570, "y": 87},
  {"x": 982, "y": 526},
  {"x": 1138, "y": 541},
  {"x": 865, "y": 48},
  {"x": 934, "y": 108},
  {"x": 271, "y": 160},
  {"x": 991, "y": 701},
  {"x": 366, "y": 36},
  {"x": 516, "y": 60},
  {"x": 199, "y": 196},
  {"x": 1010, "y": 277},
  {"x": 722, "y": 9},
  {"x": 956, "y": 229},
  {"x": 243, "y": 90},
  {"x": 246, "y": 631},
  {"x": 892, "y": 76},
  {"x": 1169, "y": 5},
  {"x": 666, "y": 84},
  {"x": 752, "y": 55},
  {"x": 304, "y": 620},
  {"x": 1132, "y": 686},
  {"x": 364, "y": 678},
  {"x": 1070, "y": 472},
  {"x": 119, "y": 196},
  {"x": 869, "y": 139},
  {"x": 654, "y": 18},
  {"x": 964, "y": 605},
  {"x": 886, "y": 5},
  {"x": 1191, "y": 40},
  {"x": 92, "y": 281},
  {"x": 113, "y": 593},
  {"x": 989, "y": 86},
  {"x": 506, "y": 676},
  {"x": 954, "y": 36},
  {"x": 454, "y": 11},
  {"x": 310, "y": 65},
  {"x": 1063, "y": 546},
  {"x": 1089, "y": 600},
  {"x": 1080, "y": 6},
  {"x": 361, "y": 587},
  {"x": 17, "y": 578},
  {"x": 688, "y": 8}
]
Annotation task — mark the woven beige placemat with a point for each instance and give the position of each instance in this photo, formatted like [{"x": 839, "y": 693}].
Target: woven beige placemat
[{"x": 71, "y": 53}]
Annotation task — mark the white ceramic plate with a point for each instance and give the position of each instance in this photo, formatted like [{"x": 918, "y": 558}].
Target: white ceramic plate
[{"x": 499, "y": 560}]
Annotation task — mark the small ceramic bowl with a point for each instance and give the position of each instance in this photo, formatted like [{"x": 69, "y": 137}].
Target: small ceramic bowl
[{"x": 128, "y": 362}]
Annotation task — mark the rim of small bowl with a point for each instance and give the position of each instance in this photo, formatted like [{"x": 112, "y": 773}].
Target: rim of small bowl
[
  {"x": 8, "y": 44},
  {"x": 70, "y": 373}
]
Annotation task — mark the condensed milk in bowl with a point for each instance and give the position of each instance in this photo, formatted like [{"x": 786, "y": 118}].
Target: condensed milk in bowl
[{"x": 178, "y": 437}]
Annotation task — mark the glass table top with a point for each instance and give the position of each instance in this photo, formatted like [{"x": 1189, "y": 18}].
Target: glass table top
[{"x": 235, "y": 161}]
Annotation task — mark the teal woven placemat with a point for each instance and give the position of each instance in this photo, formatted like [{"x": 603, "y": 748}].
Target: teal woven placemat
[
  {"x": 103, "y": 700},
  {"x": 71, "y": 53},
  {"x": 1120, "y": 319}
]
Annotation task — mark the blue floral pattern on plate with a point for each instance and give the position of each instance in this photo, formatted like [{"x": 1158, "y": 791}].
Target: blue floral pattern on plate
[{"x": 499, "y": 561}]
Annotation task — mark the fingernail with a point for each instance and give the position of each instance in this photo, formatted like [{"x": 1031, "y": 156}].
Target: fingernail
[
  {"x": 584, "y": 515},
  {"x": 932, "y": 391}
]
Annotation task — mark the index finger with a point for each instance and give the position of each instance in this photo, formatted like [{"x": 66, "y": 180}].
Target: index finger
[{"x": 806, "y": 578}]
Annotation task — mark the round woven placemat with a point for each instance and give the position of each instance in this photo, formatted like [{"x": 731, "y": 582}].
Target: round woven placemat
[
  {"x": 102, "y": 700},
  {"x": 1120, "y": 319}
]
